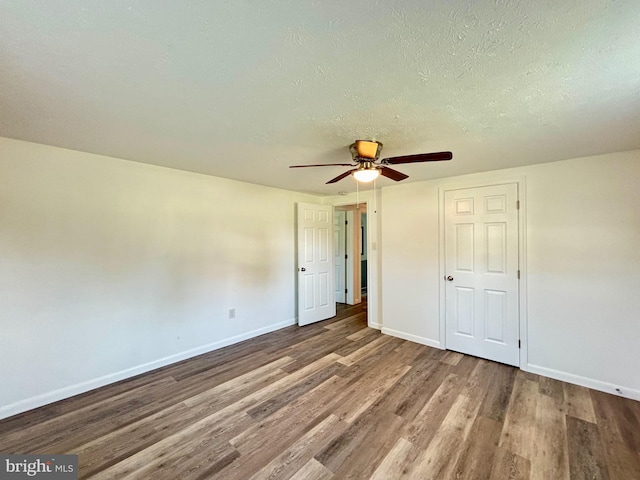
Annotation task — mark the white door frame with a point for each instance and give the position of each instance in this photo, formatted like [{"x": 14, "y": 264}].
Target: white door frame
[{"x": 520, "y": 181}]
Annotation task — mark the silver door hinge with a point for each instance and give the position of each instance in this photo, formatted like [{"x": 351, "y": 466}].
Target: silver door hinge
[
  {"x": 517, "y": 204},
  {"x": 518, "y": 274}
]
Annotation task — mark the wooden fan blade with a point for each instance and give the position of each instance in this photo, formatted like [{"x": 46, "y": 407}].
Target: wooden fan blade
[
  {"x": 341, "y": 176},
  {"x": 323, "y": 165},
  {"x": 392, "y": 174},
  {"x": 420, "y": 157}
]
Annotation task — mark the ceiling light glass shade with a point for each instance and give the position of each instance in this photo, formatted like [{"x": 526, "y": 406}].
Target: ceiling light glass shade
[{"x": 366, "y": 174}]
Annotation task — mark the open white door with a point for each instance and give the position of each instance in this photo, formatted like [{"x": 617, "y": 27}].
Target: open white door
[
  {"x": 316, "y": 299},
  {"x": 350, "y": 288},
  {"x": 339, "y": 247},
  {"x": 347, "y": 249}
]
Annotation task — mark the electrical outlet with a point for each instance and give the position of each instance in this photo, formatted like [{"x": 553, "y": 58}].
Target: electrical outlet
[{"x": 232, "y": 313}]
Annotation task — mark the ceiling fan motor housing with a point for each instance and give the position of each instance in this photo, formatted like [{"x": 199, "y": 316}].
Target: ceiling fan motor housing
[{"x": 365, "y": 150}]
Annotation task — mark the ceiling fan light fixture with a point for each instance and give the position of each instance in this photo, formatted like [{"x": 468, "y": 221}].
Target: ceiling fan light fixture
[
  {"x": 367, "y": 166},
  {"x": 366, "y": 174}
]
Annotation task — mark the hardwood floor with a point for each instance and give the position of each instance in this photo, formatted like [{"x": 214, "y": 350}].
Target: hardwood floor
[{"x": 337, "y": 400}]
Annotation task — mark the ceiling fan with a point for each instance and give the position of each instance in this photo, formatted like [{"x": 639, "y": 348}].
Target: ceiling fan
[{"x": 365, "y": 155}]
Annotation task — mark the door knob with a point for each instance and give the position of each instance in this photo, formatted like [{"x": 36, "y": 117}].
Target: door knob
[
  {"x": 303, "y": 269},
  {"x": 450, "y": 278}
]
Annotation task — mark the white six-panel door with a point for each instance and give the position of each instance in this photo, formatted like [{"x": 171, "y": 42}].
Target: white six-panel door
[
  {"x": 481, "y": 272},
  {"x": 316, "y": 299}
]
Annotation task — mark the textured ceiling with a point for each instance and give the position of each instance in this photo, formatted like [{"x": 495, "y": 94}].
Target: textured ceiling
[{"x": 242, "y": 89}]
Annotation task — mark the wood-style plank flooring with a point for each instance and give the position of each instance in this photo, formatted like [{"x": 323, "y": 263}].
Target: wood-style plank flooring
[{"x": 337, "y": 400}]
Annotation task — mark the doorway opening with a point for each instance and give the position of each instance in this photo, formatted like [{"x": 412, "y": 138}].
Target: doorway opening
[
  {"x": 363, "y": 253},
  {"x": 350, "y": 253}
]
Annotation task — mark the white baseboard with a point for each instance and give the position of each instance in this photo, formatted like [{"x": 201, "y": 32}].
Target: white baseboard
[
  {"x": 377, "y": 326},
  {"x": 72, "y": 390},
  {"x": 412, "y": 338},
  {"x": 584, "y": 381}
]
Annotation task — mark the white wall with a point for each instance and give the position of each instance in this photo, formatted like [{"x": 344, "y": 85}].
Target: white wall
[
  {"x": 583, "y": 266},
  {"x": 109, "y": 268}
]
